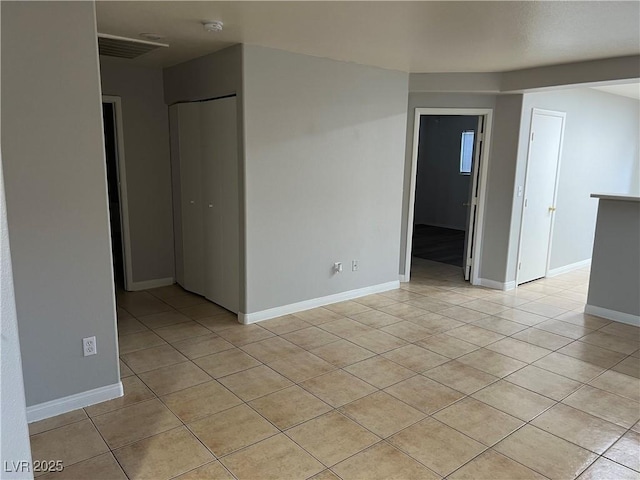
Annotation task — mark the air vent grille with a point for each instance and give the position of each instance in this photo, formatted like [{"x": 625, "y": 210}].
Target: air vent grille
[{"x": 122, "y": 47}]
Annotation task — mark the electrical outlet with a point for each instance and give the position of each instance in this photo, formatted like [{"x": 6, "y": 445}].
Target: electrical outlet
[
  {"x": 354, "y": 266},
  {"x": 89, "y": 346}
]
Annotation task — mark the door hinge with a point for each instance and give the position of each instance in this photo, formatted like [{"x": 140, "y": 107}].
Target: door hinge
[
  {"x": 532, "y": 135},
  {"x": 519, "y": 265}
]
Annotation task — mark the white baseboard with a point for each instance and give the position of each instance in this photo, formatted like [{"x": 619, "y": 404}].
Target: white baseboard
[
  {"x": 504, "y": 286},
  {"x": 158, "y": 282},
  {"x": 254, "y": 317},
  {"x": 613, "y": 315},
  {"x": 554, "y": 272},
  {"x": 73, "y": 402}
]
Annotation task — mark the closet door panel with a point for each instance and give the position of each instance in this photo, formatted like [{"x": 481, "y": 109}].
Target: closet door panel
[
  {"x": 211, "y": 121},
  {"x": 176, "y": 192},
  {"x": 220, "y": 182},
  {"x": 189, "y": 128}
]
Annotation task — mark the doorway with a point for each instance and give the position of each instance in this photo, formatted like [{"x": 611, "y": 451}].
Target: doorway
[
  {"x": 448, "y": 174},
  {"x": 540, "y": 193},
  {"x": 116, "y": 190}
]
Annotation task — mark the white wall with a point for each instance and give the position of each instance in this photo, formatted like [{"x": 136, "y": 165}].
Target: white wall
[
  {"x": 600, "y": 154},
  {"x": 324, "y": 153},
  {"x": 148, "y": 170},
  {"x": 55, "y": 180},
  {"x": 441, "y": 191}
]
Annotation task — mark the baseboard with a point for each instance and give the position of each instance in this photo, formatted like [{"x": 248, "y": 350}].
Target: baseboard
[
  {"x": 504, "y": 286},
  {"x": 254, "y": 317},
  {"x": 158, "y": 282},
  {"x": 73, "y": 402},
  {"x": 614, "y": 315},
  {"x": 554, "y": 272},
  {"x": 403, "y": 278}
]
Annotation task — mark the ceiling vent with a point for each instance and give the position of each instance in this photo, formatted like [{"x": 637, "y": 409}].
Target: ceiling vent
[{"x": 114, "y": 46}]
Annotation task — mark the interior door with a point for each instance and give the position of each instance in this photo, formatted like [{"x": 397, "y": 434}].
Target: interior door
[
  {"x": 190, "y": 154},
  {"x": 472, "y": 205},
  {"x": 545, "y": 144},
  {"x": 221, "y": 201}
]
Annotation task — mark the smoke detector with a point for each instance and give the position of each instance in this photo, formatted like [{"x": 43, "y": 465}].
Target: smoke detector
[{"x": 214, "y": 26}]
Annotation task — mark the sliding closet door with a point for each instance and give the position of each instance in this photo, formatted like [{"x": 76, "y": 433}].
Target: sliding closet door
[
  {"x": 221, "y": 201},
  {"x": 191, "y": 202},
  {"x": 176, "y": 192}
]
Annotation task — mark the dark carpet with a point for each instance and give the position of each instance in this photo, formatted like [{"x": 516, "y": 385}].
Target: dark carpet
[{"x": 439, "y": 244}]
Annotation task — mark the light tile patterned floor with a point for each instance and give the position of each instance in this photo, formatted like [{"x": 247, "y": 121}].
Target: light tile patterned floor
[{"x": 436, "y": 379}]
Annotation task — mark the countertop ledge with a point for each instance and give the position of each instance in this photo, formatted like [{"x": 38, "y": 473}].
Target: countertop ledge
[{"x": 615, "y": 196}]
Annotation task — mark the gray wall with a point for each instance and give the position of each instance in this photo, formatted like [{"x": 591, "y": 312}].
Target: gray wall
[
  {"x": 324, "y": 166},
  {"x": 14, "y": 434},
  {"x": 615, "y": 269},
  {"x": 568, "y": 75},
  {"x": 455, "y": 82},
  {"x": 211, "y": 76},
  {"x": 441, "y": 190},
  {"x": 571, "y": 74},
  {"x": 53, "y": 154},
  {"x": 599, "y": 154},
  {"x": 499, "y": 190},
  {"x": 146, "y": 144}
]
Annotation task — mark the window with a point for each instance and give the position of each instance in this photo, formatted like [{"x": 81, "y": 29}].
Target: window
[{"x": 466, "y": 152}]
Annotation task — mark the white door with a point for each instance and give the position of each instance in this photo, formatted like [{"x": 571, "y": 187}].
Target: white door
[
  {"x": 191, "y": 211},
  {"x": 472, "y": 205},
  {"x": 221, "y": 201},
  {"x": 545, "y": 145}
]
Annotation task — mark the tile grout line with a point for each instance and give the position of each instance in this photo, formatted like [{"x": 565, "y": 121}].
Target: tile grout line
[{"x": 334, "y": 409}]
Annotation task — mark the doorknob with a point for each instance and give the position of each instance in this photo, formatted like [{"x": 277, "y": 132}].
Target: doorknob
[
  {"x": 552, "y": 209},
  {"x": 466, "y": 204},
  {"x": 211, "y": 205}
]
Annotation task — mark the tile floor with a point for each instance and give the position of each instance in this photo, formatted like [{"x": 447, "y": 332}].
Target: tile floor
[{"x": 436, "y": 379}]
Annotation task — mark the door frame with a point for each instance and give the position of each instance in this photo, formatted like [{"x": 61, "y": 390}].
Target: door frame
[
  {"x": 552, "y": 113},
  {"x": 122, "y": 189},
  {"x": 482, "y": 178}
]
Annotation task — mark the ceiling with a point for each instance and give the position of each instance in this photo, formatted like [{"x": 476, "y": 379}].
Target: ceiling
[
  {"x": 421, "y": 36},
  {"x": 631, "y": 90}
]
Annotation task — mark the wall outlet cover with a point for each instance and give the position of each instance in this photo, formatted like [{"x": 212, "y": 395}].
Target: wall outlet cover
[{"x": 89, "y": 346}]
